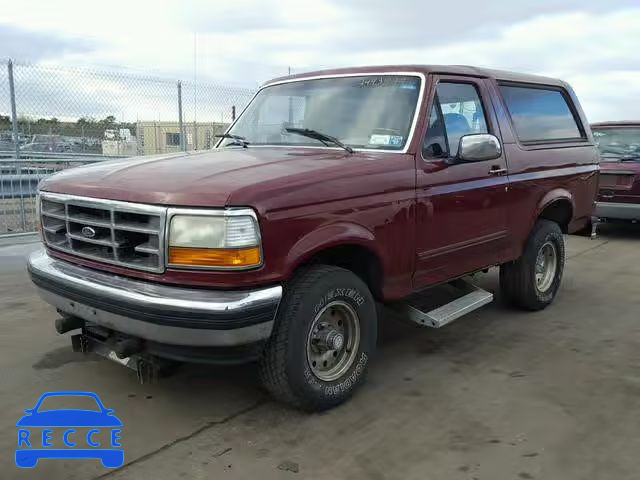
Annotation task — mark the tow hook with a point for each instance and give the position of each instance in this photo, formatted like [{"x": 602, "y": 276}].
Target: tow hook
[
  {"x": 67, "y": 323},
  {"x": 126, "y": 347}
]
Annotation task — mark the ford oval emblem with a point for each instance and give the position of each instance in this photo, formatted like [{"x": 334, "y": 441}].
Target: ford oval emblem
[{"x": 88, "y": 232}]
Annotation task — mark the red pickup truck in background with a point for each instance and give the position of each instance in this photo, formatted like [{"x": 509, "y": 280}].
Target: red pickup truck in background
[
  {"x": 332, "y": 191},
  {"x": 619, "y": 145}
]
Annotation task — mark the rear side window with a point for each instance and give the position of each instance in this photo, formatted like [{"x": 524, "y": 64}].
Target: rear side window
[{"x": 540, "y": 114}]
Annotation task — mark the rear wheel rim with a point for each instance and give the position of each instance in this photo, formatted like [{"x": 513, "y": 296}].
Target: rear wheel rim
[
  {"x": 546, "y": 267},
  {"x": 333, "y": 341}
]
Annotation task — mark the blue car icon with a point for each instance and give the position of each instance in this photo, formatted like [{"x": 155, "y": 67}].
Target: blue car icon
[{"x": 31, "y": 448}]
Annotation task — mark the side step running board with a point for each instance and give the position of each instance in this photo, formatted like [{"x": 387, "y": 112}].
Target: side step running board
[{"x": 470, "y": 298}]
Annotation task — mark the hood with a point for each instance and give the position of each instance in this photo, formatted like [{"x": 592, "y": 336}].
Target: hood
[{"x": 206, "y": 178}]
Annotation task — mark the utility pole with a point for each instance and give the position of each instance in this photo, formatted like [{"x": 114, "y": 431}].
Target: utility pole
[{"x": 183, "y": 142}]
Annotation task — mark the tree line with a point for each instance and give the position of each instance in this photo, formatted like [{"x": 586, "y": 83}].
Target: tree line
[{"x": 83, "y": 127}]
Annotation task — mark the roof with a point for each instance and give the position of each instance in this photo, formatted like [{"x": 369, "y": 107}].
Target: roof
[
  {"x": 619, "y": 123},
  {"x": 426, "y": 69}
]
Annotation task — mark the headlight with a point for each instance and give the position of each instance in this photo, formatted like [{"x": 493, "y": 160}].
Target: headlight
[{"x": 226, "y": 240}]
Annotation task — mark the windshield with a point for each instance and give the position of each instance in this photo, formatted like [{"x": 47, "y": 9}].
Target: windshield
[
  {"x": 617, "y": 144},
  {"x": 372, "y": 112}
]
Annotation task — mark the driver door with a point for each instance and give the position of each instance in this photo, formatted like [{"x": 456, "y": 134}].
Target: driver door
[{"x": 462, "y": 223}]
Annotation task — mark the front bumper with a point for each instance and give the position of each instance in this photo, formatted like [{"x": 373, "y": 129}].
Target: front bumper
[
  {"x": 621, "y": 211},
  {"x": 154, "y": 312}
]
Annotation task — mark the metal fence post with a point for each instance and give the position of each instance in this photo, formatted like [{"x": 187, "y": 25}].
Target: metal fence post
[
  {"x": 16, "y": 143},
  {"x": 183, "y": 142},
  {"x": 195, "y": 135},
  {"x": 14, "y": 116}
]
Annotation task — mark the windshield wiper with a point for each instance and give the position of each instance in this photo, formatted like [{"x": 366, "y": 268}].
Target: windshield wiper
[
  {"x": 323, "y": 137},
  {"x": 240, "y": 141},
  {"x": 230, "y": 135}
]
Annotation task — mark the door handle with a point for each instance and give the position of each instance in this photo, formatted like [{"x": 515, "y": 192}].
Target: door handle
[{"x": 496, "y": 170}]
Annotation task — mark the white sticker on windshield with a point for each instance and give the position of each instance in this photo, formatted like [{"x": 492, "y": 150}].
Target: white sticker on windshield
[
  {"x": 396, "y": 140},
  {"x": 379, "y": 139}
]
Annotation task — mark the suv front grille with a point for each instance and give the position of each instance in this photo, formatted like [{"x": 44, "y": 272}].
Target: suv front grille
[{"x": 120, "y": 233}]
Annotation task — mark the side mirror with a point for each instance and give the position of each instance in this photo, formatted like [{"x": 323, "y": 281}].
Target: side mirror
[{"x": 479, "y": 147}]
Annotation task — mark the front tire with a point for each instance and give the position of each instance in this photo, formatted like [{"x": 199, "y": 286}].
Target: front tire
[
  {"x": 532, "y": 281},
  {"x": 324, "y": 336}
]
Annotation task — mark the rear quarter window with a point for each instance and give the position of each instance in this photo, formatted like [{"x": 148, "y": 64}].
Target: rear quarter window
[{"x": 541, "y": 114}]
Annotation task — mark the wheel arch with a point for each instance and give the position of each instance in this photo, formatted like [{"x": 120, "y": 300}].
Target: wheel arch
[
  {"x": 345, "y": 245},
  {"x": 558, "y": 206}
]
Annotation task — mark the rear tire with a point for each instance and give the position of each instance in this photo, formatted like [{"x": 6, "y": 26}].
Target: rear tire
[
  {"x": 532, "y": 281},
  {"x": 323, "y": 338}
]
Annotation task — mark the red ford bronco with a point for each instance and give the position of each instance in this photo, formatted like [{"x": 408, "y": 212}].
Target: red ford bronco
[
  {"x": 332, "y": 191},
  {"x": 619, "y": 196}
]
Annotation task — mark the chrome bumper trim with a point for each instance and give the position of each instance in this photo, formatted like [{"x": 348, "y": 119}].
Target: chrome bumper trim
[
  {"x": 156, "y": 312},
  {"x": 622, "y": 211}
]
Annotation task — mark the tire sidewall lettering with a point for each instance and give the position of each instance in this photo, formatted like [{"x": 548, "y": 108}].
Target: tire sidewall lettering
[
  {"x": 311, "y": 378},
  {"x": 345, "y": 384},
  {"x": 350, "y": 293},
  {"x": 351, "y": 380}
]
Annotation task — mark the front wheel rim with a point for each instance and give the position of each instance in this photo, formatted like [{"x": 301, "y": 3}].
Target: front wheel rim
[
  {"x": 333, "y": 341},
  {"x": 546, "y": 267}
]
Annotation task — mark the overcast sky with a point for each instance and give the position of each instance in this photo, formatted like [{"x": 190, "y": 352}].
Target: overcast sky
[{"x": 593, "y": 44}]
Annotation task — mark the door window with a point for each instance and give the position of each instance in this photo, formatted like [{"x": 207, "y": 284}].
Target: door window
[{"x": 457, "y": 111}]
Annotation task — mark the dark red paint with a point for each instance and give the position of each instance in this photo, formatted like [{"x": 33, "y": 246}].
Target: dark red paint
[
  {"x": 620, "y": 181},
  {"x": 426, "y": 221}
]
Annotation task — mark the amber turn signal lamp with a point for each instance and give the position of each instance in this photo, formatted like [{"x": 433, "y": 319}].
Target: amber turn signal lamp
[{"x": 215, "y": 257}]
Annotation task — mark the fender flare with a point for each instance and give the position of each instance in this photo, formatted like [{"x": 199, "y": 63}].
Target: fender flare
[
  {"x": 552, "y": 196},
  {"x": 328, "y": 236}
]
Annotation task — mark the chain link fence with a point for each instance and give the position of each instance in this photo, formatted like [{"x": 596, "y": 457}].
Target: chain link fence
[{"x": 54, "y": 117}]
